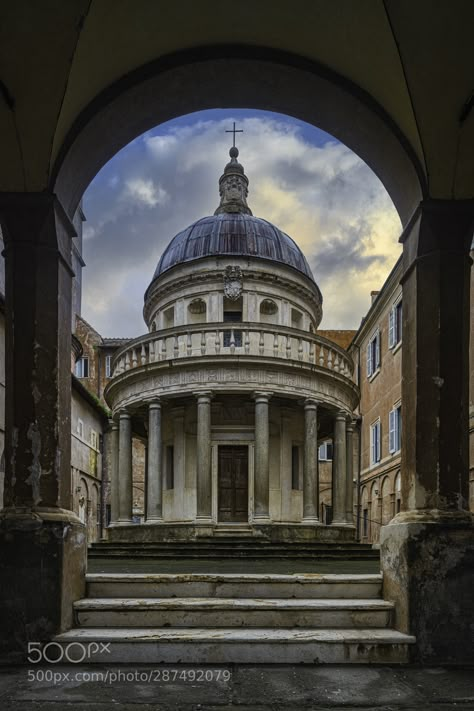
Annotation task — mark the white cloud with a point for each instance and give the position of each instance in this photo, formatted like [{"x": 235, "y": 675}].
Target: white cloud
[
  {"x": 323, "y": 196},
  {"x": 145, "y": 192}
]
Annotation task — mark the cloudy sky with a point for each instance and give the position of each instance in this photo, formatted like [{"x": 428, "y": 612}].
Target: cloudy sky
[{"x": 301, "y": 179}]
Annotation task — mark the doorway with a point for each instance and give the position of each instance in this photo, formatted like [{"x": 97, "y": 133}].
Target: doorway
[{"x": 233, "y": 484}]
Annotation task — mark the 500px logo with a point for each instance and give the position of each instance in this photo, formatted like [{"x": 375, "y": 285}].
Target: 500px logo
[{"x": 74, "y": 652}]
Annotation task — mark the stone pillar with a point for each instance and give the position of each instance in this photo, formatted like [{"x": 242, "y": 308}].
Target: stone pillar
[
  {"x": 125, "y": 468},
  {"x": 42, "y": 542},
  {"x": 154, "y": 474},
  {"x": 203, "y": 454},
  {"x": 114, "y": 473},
  {"x": 310, "y": 463},
  {"x": 339, "y": 471},
  {"x": 350, "y": 426},
  {"x": 261, "y": 474},
  {"x": 427, "y": 550}
]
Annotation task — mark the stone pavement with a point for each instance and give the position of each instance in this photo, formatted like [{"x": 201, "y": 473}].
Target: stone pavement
[{"x": 238, "y": 687}]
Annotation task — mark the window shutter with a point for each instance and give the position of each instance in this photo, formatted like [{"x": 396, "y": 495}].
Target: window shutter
[
  {"x": 379, "y": 432},
  {"x": 391, "y": 328},
  {"x": 369, "y": 359},
  {"x": 398, "y": 422},
  {"x": 377, "y": 350},
  {"x": 392, "y": 431},
  {"x": 373, "y": 443}
]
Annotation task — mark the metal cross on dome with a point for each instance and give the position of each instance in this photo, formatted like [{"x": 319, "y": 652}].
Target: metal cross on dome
[{"x": 234, "y": 131}]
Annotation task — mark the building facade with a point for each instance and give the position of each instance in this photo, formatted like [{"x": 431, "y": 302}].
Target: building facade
[{"x": 377, "y": 349}]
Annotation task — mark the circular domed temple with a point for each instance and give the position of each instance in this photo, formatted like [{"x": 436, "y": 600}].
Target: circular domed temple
[{"x": 232, "y": 388}]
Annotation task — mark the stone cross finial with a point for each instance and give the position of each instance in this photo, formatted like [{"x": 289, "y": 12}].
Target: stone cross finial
[{"x": 234, "y": 131}]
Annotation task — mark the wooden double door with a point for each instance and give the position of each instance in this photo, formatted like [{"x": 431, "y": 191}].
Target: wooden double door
[{"x": 233, "y": 483}]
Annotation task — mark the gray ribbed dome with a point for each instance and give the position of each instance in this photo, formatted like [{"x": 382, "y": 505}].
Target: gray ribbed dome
[{"x": 234, "y": 234}]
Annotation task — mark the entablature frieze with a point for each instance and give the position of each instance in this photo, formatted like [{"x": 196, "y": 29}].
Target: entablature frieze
[{"x": 139, "y": 385}]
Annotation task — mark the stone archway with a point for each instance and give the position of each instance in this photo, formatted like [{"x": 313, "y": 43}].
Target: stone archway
[
  {"x": 38, "y": 228},
  {"x": 237, "y": 77},
  {"x": 386, "y": 501}
]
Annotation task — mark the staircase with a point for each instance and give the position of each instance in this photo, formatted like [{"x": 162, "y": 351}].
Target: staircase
[
  {"x": 230, "y": 544},
  {"x": 234, "y": 618}
]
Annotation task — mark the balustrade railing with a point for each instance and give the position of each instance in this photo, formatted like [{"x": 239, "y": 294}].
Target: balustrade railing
[{"x": 224, "y": 339}]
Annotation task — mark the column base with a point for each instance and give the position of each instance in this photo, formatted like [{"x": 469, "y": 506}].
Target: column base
[
  {"x": 43, "y": 556},
  {"x": 205, "y": 521},
  {"x": 154, "y": 519},
  {"x": 345, "y": 524},
  {"x": 427, "y": 560},
  {"x": 311, "y": 521},
  {"x": 124, "y": 522},
  {"x": 261, "y": 518}
]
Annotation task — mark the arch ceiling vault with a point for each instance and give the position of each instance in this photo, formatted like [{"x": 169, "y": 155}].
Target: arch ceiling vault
[{"x": 404, "y": 71}]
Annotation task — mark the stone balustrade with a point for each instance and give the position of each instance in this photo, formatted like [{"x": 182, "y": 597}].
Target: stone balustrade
[{"x": 228, "y": 339}]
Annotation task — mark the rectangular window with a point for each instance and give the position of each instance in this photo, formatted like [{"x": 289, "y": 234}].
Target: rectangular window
[
  {"x": 394, "y": 424},
  {"x": 82, "y": 367},
  {"x": 94, "y": 439},
  {"x": 80, "y": 428},
  {"x": 395, "y": 325},
  {"x": 108, "y": 366},
  {"x": 373, "y": 354},
  {"x": 325, "y": 452},
  {"x": 234, "y": 317},
  {"x": 169, "y": 467},
  {"x": 295, "y": 467},
  {"x": 375, "y": 443}
]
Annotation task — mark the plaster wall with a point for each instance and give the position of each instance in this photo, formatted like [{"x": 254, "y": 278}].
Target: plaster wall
[{"x": 379, "y": 394}]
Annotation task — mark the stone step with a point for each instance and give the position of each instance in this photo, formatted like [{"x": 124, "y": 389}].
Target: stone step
[
  {"x": 235, "y": 554},
  {"x": 241, "y": 646},
  {"x": 232, "y": 612},
  {"x": 234, "y": 585},
  {"x": 211, "y": 542},
  {"x": 234, "y": 549}
]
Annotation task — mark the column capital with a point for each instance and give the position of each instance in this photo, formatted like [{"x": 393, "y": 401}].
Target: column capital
[
  {"x": 351, "y": 424},
  {"x": 262, "y": 395},
  {"x": 203, "y": 395},
  {"x": 311, "y": 404},
  {"x": 154, "y": 404},
  {"x": 124, "y": 414},
  {"x": 341, "y": 415}
]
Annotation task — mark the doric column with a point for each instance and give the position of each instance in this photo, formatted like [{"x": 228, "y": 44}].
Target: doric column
[
  {"x": 310, "y": 463},
  {"x": 262, "y": 442},
  {"x": 203, "y": 454},
  {"x": 350, "y": 471},
  {"x": 154, "y": 474},
  {"x": 339, "y": 470},
  {"x": 125, "y": 468},
  {"x": 114, "y": 473}
]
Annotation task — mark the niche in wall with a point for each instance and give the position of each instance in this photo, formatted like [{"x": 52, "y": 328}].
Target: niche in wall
[
  {"x": 197, "y": 311},
  {"x": 268, "y": 311}
]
